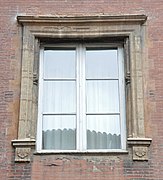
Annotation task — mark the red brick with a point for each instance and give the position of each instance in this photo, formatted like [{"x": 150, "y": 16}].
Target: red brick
[{"x": 79, "y": 167}]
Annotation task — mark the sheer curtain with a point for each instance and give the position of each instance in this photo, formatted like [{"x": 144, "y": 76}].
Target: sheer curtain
[
  {"x": 59, "y": 100},
  {"x": 102, "y": 99}
]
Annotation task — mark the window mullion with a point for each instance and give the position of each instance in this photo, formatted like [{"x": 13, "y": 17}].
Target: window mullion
[
  {"x": 84, "y": 128},
  {"x": 82, "y": 121},
  {"x": 78, "y": 136}
]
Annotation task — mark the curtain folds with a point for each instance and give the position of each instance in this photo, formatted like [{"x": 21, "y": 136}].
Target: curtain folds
[{"x": 65, "y": 140}]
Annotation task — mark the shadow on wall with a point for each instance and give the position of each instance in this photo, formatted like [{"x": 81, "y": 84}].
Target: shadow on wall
[{"x": 66, "y": 140}]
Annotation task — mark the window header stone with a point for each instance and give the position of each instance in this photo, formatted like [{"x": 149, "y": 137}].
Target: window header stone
[{"x": 82, "y": 19}]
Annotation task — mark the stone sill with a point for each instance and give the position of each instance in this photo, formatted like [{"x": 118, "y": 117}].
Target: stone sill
[
  {"x": 48, "y": 152},
  {"x": 23, "y": 150}
]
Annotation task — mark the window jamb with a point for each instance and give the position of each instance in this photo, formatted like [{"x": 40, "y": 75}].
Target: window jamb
[
  {"x": 121, "y": 60},
  {"x": 40, "y": 89}
]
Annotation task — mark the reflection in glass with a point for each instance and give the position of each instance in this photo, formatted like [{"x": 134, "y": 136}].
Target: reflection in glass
[
  {"x": 59, "y": 64},
  {"x": 101, "y": 64},
  {"x": 102, "y": 96},
  {"x": 59, "y": 132},
  {"x": 59, "y": 96},
  {"x": 103, "y": 132}
]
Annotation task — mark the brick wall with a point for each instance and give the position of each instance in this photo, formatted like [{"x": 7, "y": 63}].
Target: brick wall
[{"x": 113, "y": 167}]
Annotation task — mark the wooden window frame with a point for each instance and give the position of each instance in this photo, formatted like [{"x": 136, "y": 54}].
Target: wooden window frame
[{"x": 129, "y": 28}]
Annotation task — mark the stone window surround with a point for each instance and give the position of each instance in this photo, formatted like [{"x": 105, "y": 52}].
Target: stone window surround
[{"x": 131, "y": 28}]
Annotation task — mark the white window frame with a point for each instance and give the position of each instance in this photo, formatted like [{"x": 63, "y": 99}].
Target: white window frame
[{"x": 81, "y": 139}]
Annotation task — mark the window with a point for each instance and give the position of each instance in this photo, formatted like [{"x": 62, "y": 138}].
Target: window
[
  {"x": 126, "y": 30},
  {"x": 81, "y": 98}
]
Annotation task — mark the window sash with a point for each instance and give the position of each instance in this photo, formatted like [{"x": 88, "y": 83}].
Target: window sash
[{"x": 81, "y": 128}]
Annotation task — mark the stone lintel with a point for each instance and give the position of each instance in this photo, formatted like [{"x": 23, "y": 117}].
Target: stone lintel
[{"x": 82, "y": 19}]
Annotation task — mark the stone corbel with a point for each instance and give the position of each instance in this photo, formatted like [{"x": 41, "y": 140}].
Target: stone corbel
[
  {"x": 139, "y": 148},
  {"x": 23, "y": 149}
]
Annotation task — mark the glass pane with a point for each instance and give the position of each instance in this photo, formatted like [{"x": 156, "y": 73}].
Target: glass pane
[
  {"x": 102, "y": 96},
  {"x": 101, "y": 64},
  {"x": 59, "y": 132},
  {"x": 103, "y": 132},
  {"x": 59, "y": 96},
  {"x": 59, "y": 64}
]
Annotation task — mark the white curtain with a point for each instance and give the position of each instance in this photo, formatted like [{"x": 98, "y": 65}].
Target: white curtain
[
  {"x": 59, "y": 132},
  {"x": 59, "y": 100},
  {"x": 101, "y": 101},
  {"x": 103, "y": 132}
]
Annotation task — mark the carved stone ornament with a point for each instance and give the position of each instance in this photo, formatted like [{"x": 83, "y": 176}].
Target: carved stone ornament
[
  {"x": 23, "y": 149},
  {"x": 22, "y": 154},
  {"x": 140, "y": 153},
  {"x": 140, "y": 148},
  {"x": 35, "y": 79},
  {"x": 128, "y": 78}
]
